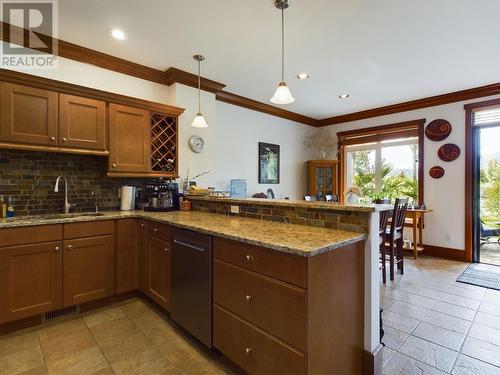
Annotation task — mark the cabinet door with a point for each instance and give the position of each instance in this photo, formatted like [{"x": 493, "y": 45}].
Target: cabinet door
[
  {"x": 158, "y": 270},
  {"x": 28, "y": 115},
  {"x": 129, "y": 139},
  {"x": 87, "y": 269},
  {"x": 82, "y": 123},
  {"x": 141, "y": 255},
  {"x": 30, "y": 280},
  {"x": 126, "y": 256}
]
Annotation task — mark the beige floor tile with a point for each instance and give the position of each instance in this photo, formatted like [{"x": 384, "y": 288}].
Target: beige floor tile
[
  {"x": 489, "y": 320},
  {"x": 471, "y": 366},
  {"x": 56, "y": 349},
  {"x": 409, "y": 310},
  {"x": 385, "y": 301},
  {"x": 84, "y": 362},
  {"x": 62, "y": 328},
  {"x": 401, "y": 364},
  {"x": 440, "y": 336},
  {"x": 415, "y": 299},
  {"x": 482, "y": 350},
  {"x": 21, "y": 361},
  {"x": 393, "y": 338},
  {"x": 424, "y": 292},
  {"x": 159, "y": 333},
  {"x": 453, "y": 299},
  {"x": 398, "y": 321},
  {"x": 129, "y": 343},
  {"x": 448, "y": 322},
  {"x": 148, "y": 362},
  {"x": 112, "y": 329},
  {"x": 465, "y": 290},
  {"x": 485, "y": 333},
  {"x": 492, "y": 298},
  {"x": 18, "y": 342},
  {"x": 103, "y": 316},
  {"x": 432, "y": 354},
  {"x": 388, "y": 353},
  {"x": 454, "y": 310},
  {"x": 490, "y": 308}
]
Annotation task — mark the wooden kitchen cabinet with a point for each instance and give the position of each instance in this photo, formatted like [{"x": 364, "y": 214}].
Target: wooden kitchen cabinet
[
  {"x": 129, "y": 140},
  {"x": 28, "y": 115},
  {"x": 158, "y": 270},
  {"x": 322, "y": 177},
  {"x": 141, "y": 255},
  {"x": 30, "y": 280},
  {"x": 87, "y": 269},
  {"x": 82, "y": 123},
  {"x": 127, "y": 247}
]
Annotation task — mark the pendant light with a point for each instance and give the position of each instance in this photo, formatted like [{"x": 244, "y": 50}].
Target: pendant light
[
  {"x": 282, "y": 95},
  {"x": 199, "y": 120}
]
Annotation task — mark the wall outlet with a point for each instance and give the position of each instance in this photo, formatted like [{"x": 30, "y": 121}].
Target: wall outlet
[
  {"x": 235, "y": 209},
  {"x": 448, "y": 237}
]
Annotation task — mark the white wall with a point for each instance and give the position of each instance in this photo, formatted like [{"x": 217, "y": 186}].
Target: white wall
[
  {"x": 231, "y": 145},
  {"x": 231, "y": 140},
  {"x": 446, "y": 196}
]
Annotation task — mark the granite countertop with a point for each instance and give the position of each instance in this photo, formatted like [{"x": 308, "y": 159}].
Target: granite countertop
[
  {"x": 293, "y": 239},
  {"x": 333, "y": 206}
]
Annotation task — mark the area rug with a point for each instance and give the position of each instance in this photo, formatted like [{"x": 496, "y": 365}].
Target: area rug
[{"x": 485, "y": 275}]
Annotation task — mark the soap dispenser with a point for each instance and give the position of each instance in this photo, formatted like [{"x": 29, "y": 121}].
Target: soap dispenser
[{"x": 10, "y": 207}]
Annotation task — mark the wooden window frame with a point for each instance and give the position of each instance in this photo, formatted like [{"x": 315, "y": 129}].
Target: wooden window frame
[
  {"x": 413, "y": 128},
  {"x": 470, "y": 109}
]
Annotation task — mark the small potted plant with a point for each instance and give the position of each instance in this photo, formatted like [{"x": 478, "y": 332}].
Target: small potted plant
[
  {"x": 379, "y": 198},
  {"x": 353, "y": 194}
]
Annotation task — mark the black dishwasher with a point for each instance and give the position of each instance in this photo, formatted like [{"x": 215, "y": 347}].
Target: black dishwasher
[{"x": 191, "y": 283}]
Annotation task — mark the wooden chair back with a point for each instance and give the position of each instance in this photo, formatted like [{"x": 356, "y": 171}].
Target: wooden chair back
[
  {"x": 383, "y": 220},
  {"x": 398, "y": 215}
]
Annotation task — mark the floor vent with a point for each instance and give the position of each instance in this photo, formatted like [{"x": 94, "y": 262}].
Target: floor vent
[{"x": 60, "y": 313}]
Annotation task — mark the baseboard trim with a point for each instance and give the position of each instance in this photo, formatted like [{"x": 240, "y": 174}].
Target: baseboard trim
[
  {"x": 444, "y": 252},
  {"x": 374, "y": 361}
]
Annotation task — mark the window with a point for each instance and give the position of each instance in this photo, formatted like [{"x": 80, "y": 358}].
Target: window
[{"x": 383, "y": 161}]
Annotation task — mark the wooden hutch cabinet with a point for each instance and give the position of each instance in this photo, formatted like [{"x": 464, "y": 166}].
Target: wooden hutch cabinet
[{"x": 322, "y": 177}]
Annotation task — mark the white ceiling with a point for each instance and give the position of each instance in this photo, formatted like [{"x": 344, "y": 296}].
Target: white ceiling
[{"x": 379, "y": 51}]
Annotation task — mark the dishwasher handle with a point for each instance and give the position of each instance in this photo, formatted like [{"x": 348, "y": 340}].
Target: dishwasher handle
[{"x": 191, "y": 246}]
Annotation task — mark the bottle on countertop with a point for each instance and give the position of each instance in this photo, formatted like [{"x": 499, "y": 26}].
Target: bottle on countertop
[
  {"x": 10, "y": 207},
  {"x": 3, "y": 207}
]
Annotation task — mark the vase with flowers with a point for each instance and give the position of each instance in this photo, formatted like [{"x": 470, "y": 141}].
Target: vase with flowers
[{"x": 353, "y": 194}]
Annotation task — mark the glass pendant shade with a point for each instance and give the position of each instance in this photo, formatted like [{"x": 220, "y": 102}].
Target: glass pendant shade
[
  {"x": 282, "y": 95},
  {"x": 199, "y": 121}
]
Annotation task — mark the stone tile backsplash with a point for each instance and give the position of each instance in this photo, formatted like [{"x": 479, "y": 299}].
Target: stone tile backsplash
[{"x": 30, "y": 176}]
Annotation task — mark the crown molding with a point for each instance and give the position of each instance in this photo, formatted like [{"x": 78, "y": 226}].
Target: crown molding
[{"x": 173, "y": 75}]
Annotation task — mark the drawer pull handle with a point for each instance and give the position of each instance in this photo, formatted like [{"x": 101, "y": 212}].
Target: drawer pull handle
[
  {"x": 248, "y": 351},
  {"x": 64, "y": 139},
  {"x": 56, "y": 249},
  {"x": 165, "y": 250},
  {"x": 52, "y": 138},
  {"x": 142, "y": 225},
  {"x": 248, "y": 297},
  {"x": 114, "y": 165},
  {"x": 249, "y": 258},
  {"x": 69, "y": 247},
  {"x": 189, "y": 245},
  {"x": 156, "y": 230}
]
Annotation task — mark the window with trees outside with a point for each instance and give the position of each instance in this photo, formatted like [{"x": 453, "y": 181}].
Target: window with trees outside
[{"x": 383, "y": 162}]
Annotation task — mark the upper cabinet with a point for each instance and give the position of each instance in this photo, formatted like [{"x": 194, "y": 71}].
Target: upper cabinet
[
  {"x": 129, "y": 140},
  {"x": 82, "y": 123},
  {"x": 28, "y": 115},
  {"x": 41, "y": 114},
  {"x": 322, "y": 177}
]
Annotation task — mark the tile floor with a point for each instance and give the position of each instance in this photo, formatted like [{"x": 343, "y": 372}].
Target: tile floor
[
  {"x": 434, "y": 325},
  {"x": 127, "y": 338},
  {"x": 490, "y": 252}
]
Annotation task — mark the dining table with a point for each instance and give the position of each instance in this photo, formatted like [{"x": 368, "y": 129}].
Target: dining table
[{"x": 415, "y": 219}]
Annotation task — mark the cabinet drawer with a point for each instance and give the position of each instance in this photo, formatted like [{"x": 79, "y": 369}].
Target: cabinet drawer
[
  {"x": 253, "y": 349},
  {"x": 274, "y": 306},
  {"x": 88, "y": 229},
  {"x": 28, "y": 235},
  {"x": 284, "y": 267},
  {"x": 158, "y": 230}
]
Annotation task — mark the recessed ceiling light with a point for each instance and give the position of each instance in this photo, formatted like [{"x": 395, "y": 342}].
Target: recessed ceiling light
[
  {"x": 344, "y": 96},
  {"x": 117, "y": 34},
  {"x": 302, "y": 76}
]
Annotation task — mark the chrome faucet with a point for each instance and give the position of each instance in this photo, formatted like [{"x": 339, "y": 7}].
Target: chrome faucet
[{"x": 67, "y": 206}]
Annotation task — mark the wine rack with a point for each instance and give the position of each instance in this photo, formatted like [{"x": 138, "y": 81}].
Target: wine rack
[{"x": 164, "y": 135}]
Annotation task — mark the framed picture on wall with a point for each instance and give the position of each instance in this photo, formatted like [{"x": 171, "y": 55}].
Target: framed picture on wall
[{"x": 269, "y": 163}]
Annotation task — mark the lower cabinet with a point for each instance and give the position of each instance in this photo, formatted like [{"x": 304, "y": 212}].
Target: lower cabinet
[
  {"x": 158, "y": 270},
  {"x": 87, "y": 269},
  {"x": 30, "y": 280}
]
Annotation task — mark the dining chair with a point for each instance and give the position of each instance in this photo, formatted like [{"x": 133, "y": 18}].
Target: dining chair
[
  {"x": 394, "y": 236},
  {"x": 383, "y": 220},
  {"x": 310, "y": 198}
]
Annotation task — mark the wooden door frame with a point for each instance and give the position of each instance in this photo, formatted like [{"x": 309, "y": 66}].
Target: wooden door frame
[{"x": 469, "y": 159}]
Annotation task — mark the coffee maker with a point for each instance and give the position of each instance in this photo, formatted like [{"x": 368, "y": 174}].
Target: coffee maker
[{"x": 161, "y": 196}]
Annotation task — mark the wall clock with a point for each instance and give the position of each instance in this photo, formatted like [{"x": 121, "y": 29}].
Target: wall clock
[{"x": 196, "y": 144}]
